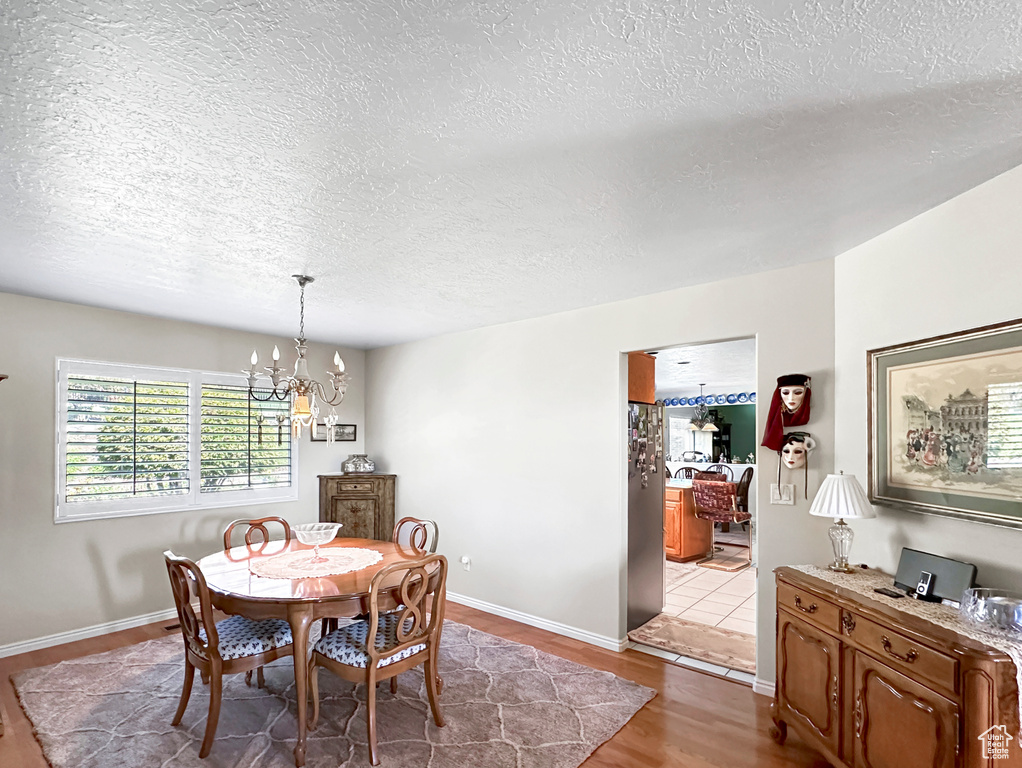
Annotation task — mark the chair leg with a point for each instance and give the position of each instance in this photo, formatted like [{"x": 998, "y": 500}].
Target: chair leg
[
  {"x": 216, "y": 684},
  {"x": 259, "y": 677},
  {"x": 314, "y": 692},
  {"x": 431, "y": 690},
  {"x": 248, "y": 677},
  {"x": 371, "y": 716},
  {"x": 205, "y": 677},
  {"x": 393, "y": 684},
  {"x": 186, "y": 692}
]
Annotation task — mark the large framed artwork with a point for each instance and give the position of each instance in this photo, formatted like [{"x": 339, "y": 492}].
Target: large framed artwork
[{"x": 945, "y": 425}]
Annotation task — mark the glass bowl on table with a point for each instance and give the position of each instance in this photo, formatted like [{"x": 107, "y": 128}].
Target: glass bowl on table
[
  {"x": 314, "y": 534},
  {"x": 995, "y": 610}
]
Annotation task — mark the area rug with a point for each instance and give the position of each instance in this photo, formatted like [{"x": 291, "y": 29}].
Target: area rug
[
  {"x": 505, "y": 704},
  {"x": 724, "y": 647}
]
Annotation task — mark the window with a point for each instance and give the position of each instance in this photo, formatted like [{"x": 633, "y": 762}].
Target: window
[
  {"x": 136, "y": 440},
  {"x": 1004, "y": 423}
]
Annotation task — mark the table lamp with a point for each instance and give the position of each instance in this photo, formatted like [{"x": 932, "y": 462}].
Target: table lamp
[{"x": 842, "y": 497}]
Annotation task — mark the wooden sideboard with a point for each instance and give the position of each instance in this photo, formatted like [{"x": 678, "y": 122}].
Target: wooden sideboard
[
  {"x": 363, "y": 504},
  {"x": 872, "y": 686},
  {"x": 686, "y": 537}
]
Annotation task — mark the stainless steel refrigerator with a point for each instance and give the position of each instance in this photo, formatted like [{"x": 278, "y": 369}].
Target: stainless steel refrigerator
[{"x": 645, "y": 512}]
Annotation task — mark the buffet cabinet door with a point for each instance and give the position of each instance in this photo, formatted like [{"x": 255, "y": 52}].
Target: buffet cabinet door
[
  {"x": 808, "y": 678},
  {"x": 900, "y": 723}
]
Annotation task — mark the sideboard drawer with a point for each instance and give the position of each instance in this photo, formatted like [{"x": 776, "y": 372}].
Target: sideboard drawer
[
  {"x": 809, "y": 606},
  {"x": 898, "y": 651},
  {"x": 360, "y": 485}
]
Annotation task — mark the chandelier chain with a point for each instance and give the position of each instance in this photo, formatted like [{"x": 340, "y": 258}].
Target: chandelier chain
[{"x": 301, "y": 331}]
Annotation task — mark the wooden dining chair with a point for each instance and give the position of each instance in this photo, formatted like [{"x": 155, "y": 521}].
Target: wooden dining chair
[
  {"x": 257, "y": 526},
  {"x": 235, "y": 644},
  {"x": 422, "y": 535},
  {"x": 722, "y": 469},
  {"x": 389, "y": 643},
  {"x": 686, "y": 473}
]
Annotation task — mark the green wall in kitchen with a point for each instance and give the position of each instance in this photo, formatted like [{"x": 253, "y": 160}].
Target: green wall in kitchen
[{"x": 742, "y": 419}]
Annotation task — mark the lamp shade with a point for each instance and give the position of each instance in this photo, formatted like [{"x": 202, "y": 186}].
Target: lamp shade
[{"x": 841, "y": 496}]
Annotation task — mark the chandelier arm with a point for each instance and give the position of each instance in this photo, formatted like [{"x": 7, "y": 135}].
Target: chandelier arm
[
  {"x": 252, "y": 394},
  {"x": 321, "y": 394}
]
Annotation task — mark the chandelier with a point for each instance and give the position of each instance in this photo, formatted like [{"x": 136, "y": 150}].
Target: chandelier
[
  {"x": 701, "y": 419},
  {"x": 302, "y": 389}
]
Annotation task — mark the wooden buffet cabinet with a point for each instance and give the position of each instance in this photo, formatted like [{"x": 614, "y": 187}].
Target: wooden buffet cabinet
[
  {"x": 363, "y": 504},
  {"x": 686, "y": 537},
  {"x": 871, "y": 686}
]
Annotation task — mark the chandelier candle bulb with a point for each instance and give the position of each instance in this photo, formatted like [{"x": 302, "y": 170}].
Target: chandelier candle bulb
[{"x": 276, "y": 353}]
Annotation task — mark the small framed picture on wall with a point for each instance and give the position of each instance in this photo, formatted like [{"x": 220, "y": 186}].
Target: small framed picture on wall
[{"x": 344, "y": 433}]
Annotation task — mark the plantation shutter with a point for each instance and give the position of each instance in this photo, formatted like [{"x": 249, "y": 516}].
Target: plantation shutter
[
  {"x": 245, "y": 443},
  {"x": 1004, "y": 425},
  {"x": 125, "y": 438}
]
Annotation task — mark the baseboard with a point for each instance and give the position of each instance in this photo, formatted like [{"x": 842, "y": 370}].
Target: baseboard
[
  {"x": 601, "y": 641},
  {"x": 763, "y": 687},
  {"x": 95, "y": 630}
]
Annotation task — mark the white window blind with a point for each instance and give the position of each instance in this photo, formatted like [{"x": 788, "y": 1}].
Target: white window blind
[
  {"x": 126, "y": 438},
  {"x": 245, "y": 443},
  {"x": 135, "y": 440}
]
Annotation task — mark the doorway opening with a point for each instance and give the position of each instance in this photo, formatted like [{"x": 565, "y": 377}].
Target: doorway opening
[{"x": 708, "y": 398}]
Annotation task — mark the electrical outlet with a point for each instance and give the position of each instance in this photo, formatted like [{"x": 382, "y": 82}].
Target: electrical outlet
[
  {"x": 783, "y": 493},
  {"x": 466, "y": 562}
]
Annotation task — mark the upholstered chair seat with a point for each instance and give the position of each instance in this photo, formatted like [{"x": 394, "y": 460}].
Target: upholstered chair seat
[
  {"x": 244, "y": 637},
  {"x": 347, "y": 645}
]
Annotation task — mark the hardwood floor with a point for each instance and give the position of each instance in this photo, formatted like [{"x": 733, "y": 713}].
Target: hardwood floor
[{"x": 696, "y": 720}]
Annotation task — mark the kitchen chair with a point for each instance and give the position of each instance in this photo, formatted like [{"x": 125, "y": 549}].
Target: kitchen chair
[
  {"x": 422, "y": 535},
  {"x": 227, "y": 647},
  {"x": 389, "y": 643},
  {"x": 685, "y": 472},
  {"x": 743, "y": 489},
  {"x": 717, "y": 502},
  {"x": 722, "y": 469},
  {"x": 256, "y": 526}
]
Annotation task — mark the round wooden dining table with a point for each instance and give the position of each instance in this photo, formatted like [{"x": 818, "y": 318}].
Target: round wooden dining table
[{"x": 235, "y": 589}]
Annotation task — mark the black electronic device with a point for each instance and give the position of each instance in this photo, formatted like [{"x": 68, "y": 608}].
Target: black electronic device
[
  {"x": 931, "y": 577},
  {"x": 888, "y": 591}
]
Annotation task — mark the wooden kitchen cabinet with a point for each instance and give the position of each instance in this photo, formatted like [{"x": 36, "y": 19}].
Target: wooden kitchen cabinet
[
  {"x": 686, "y": 537},
  {"x": 363, "y": 504},
  {"x": 872, "y": 686}
]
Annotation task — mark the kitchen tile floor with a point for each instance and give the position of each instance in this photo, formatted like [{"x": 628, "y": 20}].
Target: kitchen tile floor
[{"x": 718, "y": 598}]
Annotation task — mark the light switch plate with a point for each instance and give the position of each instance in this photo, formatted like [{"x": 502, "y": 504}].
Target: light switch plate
[{"x": 783, "y": 493}]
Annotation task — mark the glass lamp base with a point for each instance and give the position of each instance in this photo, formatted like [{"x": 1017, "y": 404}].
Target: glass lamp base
[{"x": 841, "y": 540}]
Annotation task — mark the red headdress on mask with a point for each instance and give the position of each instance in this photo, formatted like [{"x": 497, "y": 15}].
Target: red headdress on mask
[{"x": 780, "y": 417}]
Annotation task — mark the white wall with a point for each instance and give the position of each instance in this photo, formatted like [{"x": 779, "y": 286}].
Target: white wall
[
  {"x": 60, "y": 578},
  {"x": 512, "y": 438},
  {"x": 955, "y": 267}
]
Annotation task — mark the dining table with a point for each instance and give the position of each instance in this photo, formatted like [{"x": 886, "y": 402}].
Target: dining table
[{"x": 235, "y": 589}]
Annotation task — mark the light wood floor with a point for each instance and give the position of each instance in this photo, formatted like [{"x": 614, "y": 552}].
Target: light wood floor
[{"x": 696, "y": 720}]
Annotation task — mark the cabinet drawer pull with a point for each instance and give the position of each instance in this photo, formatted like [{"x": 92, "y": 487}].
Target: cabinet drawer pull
[
  {"x": 813, "y": 608},
  {"x": 908, "y": 658},
  {"x": 858, "y": 714},
  {"x": 848, "y": 624}
]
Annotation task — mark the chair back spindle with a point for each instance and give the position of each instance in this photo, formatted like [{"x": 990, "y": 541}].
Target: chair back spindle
[
  {"x": 420, "y": 535},
  {"x": 257, "y": 526}
]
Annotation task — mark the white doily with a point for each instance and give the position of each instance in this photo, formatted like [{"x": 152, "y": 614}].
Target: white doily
[
  {"x": 863, "y": 583},
  {"x": 299, "y": 565}
]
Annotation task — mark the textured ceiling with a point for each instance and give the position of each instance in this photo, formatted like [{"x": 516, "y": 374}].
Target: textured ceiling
[
  {"x": 447, "y": 165},
  {"x": 725, "y": 367}
]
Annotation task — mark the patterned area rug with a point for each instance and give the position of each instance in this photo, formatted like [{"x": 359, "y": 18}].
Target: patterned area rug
[
  {"x": 505, "y": 704},
  {"x": 724, "y": 647}
]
